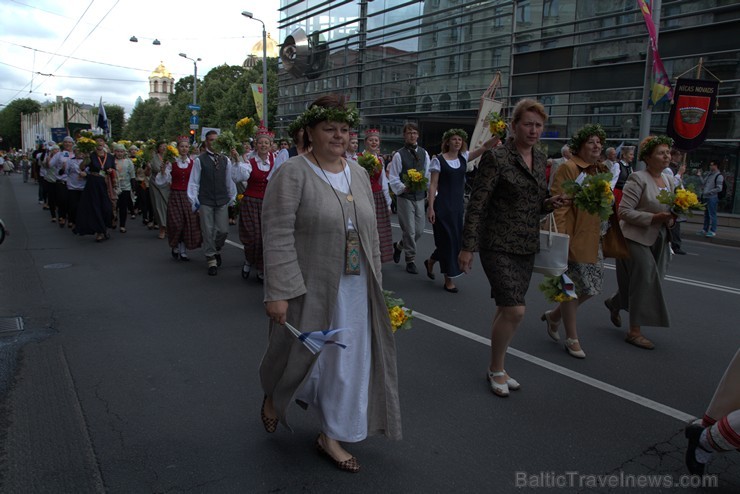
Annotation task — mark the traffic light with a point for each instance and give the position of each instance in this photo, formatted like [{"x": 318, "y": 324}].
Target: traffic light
[{"x": 192, "y": 136}]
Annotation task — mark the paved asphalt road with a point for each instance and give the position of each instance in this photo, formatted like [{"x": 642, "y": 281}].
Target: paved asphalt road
[{"x": 135, "y": 373}]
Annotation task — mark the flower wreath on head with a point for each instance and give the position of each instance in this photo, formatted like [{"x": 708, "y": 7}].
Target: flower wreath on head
[
  {"x": 583, "y": 134},
  {"x": 650, "y": 143},
  {"x": 295, "y": 125},
  {"x": 317, "y": 114},
  {"x": 455, "y": 132}
]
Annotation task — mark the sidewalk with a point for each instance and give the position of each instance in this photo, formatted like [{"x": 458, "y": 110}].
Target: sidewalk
[{"x": 728, "y": 230}]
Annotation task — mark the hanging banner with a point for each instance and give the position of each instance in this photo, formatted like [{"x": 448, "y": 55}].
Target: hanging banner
[
  {"x": 661, "y": 88},
  {"x": 691, "y": 113},
  {"x": 257, "y": 93}
]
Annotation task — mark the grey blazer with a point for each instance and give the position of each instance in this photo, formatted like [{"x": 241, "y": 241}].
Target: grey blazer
[{"x": 639, "y": 203}]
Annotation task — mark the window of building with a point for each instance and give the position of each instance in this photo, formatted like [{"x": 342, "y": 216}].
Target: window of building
[{"x": 523, "y": 12}]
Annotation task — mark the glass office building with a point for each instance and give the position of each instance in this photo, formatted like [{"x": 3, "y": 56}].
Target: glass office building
[{"x": 429, "y": 62}]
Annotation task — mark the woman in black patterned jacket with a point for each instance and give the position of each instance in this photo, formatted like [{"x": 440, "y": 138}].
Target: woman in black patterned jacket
[{"x": 502, "y": 222}]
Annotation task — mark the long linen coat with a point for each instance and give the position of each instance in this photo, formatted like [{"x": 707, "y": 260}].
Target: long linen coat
[{"x": 304, "y": 251}]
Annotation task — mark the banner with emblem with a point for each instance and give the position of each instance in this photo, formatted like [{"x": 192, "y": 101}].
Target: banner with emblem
[
  {"x": 694, "y": 102},
  {"x": 257, "y": 94}
]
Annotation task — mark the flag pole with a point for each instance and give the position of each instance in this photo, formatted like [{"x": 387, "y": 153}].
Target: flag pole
[{"x": 647, "y": 111}]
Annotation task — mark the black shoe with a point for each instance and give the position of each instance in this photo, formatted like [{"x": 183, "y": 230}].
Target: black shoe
[
  {"x": 396, "y": 254},
  {"x": 679, "y": 252},
  {"x": 218, "y": 260},
  {"x": 430, "y": 271},
  {"x": 184, "y": 258},
  {"x": 451, "y": 290},
  {"x": 212, "y": 271},
  {"x": 175, "y": 254},
  {"x": 692, "y": 433},
  {"x": 411, "y": 268}
]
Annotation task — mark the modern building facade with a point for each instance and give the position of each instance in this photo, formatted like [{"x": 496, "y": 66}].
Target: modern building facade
[{"x": 429, "y": 62}]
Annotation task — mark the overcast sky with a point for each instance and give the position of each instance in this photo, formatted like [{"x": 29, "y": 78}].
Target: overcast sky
[{"x": 212, "y": 30}]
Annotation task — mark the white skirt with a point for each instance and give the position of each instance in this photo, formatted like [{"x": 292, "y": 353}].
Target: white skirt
[{"x": 338, "y": 382}]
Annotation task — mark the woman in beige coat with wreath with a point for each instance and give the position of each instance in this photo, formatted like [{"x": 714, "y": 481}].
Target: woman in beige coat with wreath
[{"x": 314, "y": 206}]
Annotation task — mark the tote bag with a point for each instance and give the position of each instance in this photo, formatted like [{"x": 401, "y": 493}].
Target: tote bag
[{"x": 552, "y": 259}]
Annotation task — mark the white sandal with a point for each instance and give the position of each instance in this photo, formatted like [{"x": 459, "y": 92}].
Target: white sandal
[
  {"x": 501, "y": 390},
  {"x": 552, "y": 327},
  {"x": 574, "y": 353}
]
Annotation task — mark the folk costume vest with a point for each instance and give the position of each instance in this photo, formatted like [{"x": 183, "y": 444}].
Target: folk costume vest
[
  {"x": 181, "y": 176},
  {"x": 412, "y": 159},
  {"x": 258, "y": 179},
  {"x": 213, "y": 191},
  {"x": 376, "y": 181}
]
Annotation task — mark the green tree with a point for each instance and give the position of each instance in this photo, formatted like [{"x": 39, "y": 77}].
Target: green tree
[
  {"x": 116, "y": 121},
  {"x": 145, "y": 121},
  {"x": 10, "y": 121}
]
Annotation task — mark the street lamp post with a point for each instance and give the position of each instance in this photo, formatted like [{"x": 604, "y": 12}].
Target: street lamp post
[
  {"x": 195, "y": 76},
  {"x": 264, "y": 66}
]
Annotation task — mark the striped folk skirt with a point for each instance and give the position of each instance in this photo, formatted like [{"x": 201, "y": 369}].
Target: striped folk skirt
[
  {"x": 250, "y": 230},
  {"x": 183, "y": 224},
  {"x": 383, "y": 217}
]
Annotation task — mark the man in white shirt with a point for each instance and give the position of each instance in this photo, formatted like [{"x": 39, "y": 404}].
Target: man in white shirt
[
  {"x": 410, "y": 203},
  {"x": 210, "y": 191}
]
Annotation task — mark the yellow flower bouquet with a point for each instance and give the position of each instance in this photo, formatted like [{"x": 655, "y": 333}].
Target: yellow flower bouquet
[
  {"x": 170, "y": 154},
  {"x": 86, "y": 145},
  {"x": 414, "y": 180},
  {"x": 399, "y": 315},
  {"x": 558, "y": 289},
  {"x": 497, "y": 125},
  {"x": 370, "y": 163},
  {"x": 683, "y": 202},
  {"x": 245, "y": 128},
  {"x": 594, "y": 194}
]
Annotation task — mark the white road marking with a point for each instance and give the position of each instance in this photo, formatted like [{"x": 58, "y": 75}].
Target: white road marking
[
  {"x": 619, "y": 392},
  {"x": 577, "y": 376},
  {"x": 674, "y": 279}
]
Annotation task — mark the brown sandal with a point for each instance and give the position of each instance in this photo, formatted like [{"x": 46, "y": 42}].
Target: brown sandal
[
  {"x": 351, "y": 465},
  {"x": 269, "y": 424},
  {"x": 640, "y": 341}
]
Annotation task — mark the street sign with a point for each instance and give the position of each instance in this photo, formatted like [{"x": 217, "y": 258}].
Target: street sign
[
  {"x": 194, "y": 120},
  {"x": 193, "y": 107},
  {"x": 194, "y": 126}
]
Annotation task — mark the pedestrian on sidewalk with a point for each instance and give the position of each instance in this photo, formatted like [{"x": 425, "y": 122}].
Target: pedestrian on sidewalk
[{"x": 712, "y": 185}]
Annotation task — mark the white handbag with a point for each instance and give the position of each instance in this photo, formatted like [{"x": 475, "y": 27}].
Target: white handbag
[{"x": 552, "y": 259}]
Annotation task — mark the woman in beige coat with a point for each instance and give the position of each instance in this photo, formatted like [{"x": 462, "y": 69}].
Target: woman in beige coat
[
  {"x": 315, "y": 206},
  {"x": 645, "y": 223},
  {"x": 585, "y": 259}
]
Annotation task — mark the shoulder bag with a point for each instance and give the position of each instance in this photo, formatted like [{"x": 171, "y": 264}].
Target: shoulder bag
[{"x": 552, "y": 259}]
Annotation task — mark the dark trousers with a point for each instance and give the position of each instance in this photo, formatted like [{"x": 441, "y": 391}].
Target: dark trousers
[
  {"x": 676, "y": 237},
  {"x": 50, "y": 197},
  {"x": 73, "y": 201},
  {"x": 60, "y": 198},
  {"x": 143, "y": 204},
  {"x": 124, "y": 203}
]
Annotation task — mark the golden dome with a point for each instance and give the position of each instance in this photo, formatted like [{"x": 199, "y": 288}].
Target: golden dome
[
  {"x": 161, "y": 72},
  {"x": 272, "y": 48}
]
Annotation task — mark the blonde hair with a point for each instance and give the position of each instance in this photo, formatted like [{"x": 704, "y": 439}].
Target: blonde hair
[{"x": 525, "y": 105}]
